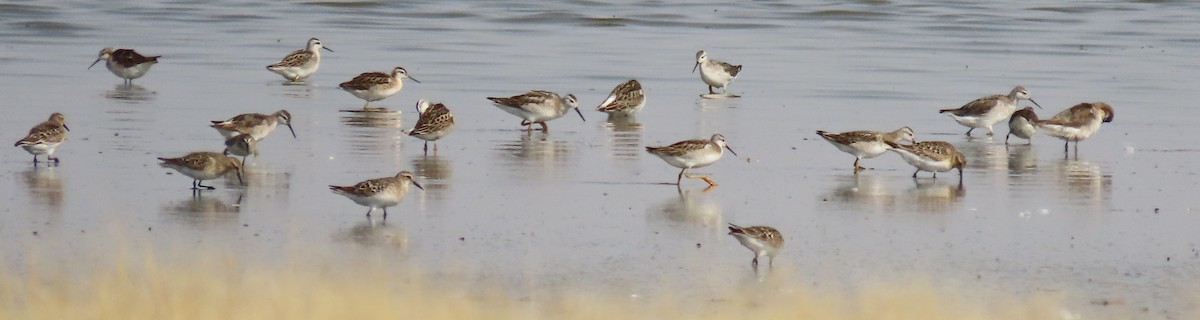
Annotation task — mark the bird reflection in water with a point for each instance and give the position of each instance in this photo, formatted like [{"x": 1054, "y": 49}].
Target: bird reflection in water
[
  {"x": 205, "y": 209},
  {"x": 1087, "y": 183},
  {"x": 130, "y": 92},
  {"x": 936, "y": 195},
  {"x": 1021, "y": 159},
  {"x": 45, "y": 188},
  {"x": 981, "y": 154},
  {"x": 864, "y": 192},
  {"x": 625, "y": 135},
  {"x": 534, "y": 155},
  {"x": 690, "y": 208},
  {"x": 374, "y": 132},
  {"x": 372, "y": 233}
]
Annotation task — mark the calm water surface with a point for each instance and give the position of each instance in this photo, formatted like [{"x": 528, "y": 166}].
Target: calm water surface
[{"x": 584, "y": 206}]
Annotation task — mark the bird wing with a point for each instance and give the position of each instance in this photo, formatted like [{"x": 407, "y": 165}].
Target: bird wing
[
  {"x": 129, "y": 58},
  {"x": 625, "y": 95},
  {"x": 522, "y": 101},
  {"x": 295, "y": 59},
  {"x": 850, "y": 137},
  {"x": 434, "y": 118},
  {"x": 679, "y": 148},
  {"x": 366, "y": 81},
  {"x": 44, "y": 132},
  {"x": 977, "y": 107}
]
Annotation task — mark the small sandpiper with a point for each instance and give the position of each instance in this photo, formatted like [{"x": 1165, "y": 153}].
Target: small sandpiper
[
  {"x": 300, "y": 64},
  {"x": 1077, "y": 123},
  {"x": 866, "y": 144},
  {"x": 242, "y": 145},
  {"x": 537, "y": 106},
  {"x": 256, "y": 124},
  {"x": 764, "y": 241},
  {"x": 45, "y": 137},
  {"x": 690, "y": 154},
  {"x": 202, "y": 166},
  {"x": 378, "y": 193},
  {"x": 715, "y": 73},
  {"x": 932, "y": 156},
  {"x": 125, "y": 63},
  {"x": 375, "y": 86},
  {"x": 982, "y": 113},
  {"x": 625, "y": 100},
  {"x": 435, "y": 122},
  {"x": 1022, "y": 124}
]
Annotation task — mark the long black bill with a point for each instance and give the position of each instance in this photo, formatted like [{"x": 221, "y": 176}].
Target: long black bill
[
  {"x": 65, "y": 127},
  {"x": 327, "y": 48},
  {"x": 414, "y": 79},
  {"x": 580, "y": 114},
  {"x": 730, "y": 150},
  {"x": 1035, "y": 103},
  {"x": 695, "y": 66},
  {"x": 292, "y": 130},
  {"x": 414, "y": 182},
  {"x": 94, "y": 63}
]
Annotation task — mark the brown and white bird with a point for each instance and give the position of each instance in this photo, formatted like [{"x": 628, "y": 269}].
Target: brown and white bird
[
  {"x": 255, "y": 124},
  {"x": 125, "y": 63},
  {"x": 715, "y": 73},
  {"x": 1022, "y": 124},
  {"x": 300, "y": 64},
  {"x": 982, "y": 113},
  {"x": 45, "y": 137},
  {"x": 378, "y": 193},
  {"x": 932, "y": 156},
  {"x": 537, "y": 106},
  {"x": 435, "y": 122},
  {"x": 764, "y": 241},
  {"x": 1077, "y": 123},
  {"x": 202, "y": 166},
  {"x": 375, "y": 86},
  {"x": 866, "y": 144},
  {"x": 242, "y": 145},
  {"x": 624, "y": 100},
  {"x": 690, "y": 154}
]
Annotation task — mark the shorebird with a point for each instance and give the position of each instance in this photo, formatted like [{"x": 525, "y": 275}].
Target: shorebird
[
  {"x": 378, "y": 193},
  {"x": 1022, "y": 124},
  {"x": 435, "y": 122},
  {"x": 375, "y": 86},
  {"x": 537, "y": 106},
  {"x": 764, "y": 241},
  {"x": 715, "y": 73},
  {"x": 986, "y": 111},
  {"x": 202, "y": 166},
  {"x": 241, "y": 145},
  {"x": 866, "y": 144},
  {"x": 932, "y": 156},
  {"x": 45, "y": 137},
  {"x": 300, "y": 63},
  {"x": 690, "y": 154},
  {"x": 626, "y": 99},
  {"x": 1077, "y": 123},
  {"x": 256, "y": 124},
  {"x": 125, "y": 63}
]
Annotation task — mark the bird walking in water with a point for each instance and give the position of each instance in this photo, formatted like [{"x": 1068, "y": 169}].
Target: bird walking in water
[
  {"x": 202, "y": 166},
  {"x": 435, "y": 122},
  {"x": 982, "y": 113},
  {"x": 764, "y": 241},
  {"x": 256, "y": 125},
  {"x": 45, "y": 137},
  {"x": 300, "y": 64},
  {"x": 375, "y": 86},
  {"x": 690, "y": 154},
  {"x": 932, "y": 156},
  {"x": 715, "y": 73},
  {"x": 866, "y": 144},
  {"x": 242, "y": 145},
  {"x": 1022, "y": 124},
  {"x": 1077, "y": 123},
  {"x": 378, "y": 193},
  {"x": 125, "y": 63},
  {"x": 538, "y": 106}
]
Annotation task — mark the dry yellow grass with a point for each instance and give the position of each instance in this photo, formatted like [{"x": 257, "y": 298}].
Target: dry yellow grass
[{"x": 211, "y": 286}]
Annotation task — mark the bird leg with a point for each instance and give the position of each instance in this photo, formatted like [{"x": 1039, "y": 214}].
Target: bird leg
[
  {"x": 754, "y": 263},
  {"x": 427, "y": 147},
  {"x": 544, "y": 127},
  {"x": 201, "y": 184},
  {"x": 969, "y": 131},
  {"x": 856, "y": 166},
  {"x": 384, "y": 213},
  {"x": 710, "y": 90},
  {"x": 711, "y": 183},
  {"x": 528, "y": 125},
  {"x": 990, "y": 133},
  {"x": 1065, "y": 144},
  {"x": 680, "y": 178},
  {"x": 1009, "y": 135},
  {"x": 365, "y": 106},
  {"x": 369, "y": 209},
  {"x": 35, "y": 162}
]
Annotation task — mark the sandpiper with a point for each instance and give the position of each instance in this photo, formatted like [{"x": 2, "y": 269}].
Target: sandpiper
[
  {"x": 932, "y": 156},
  {"x": 434, "y": 123},
  {"x": 378, "y": 193},
  {"x": 256, "y": 124},
  {"x": 125, "y": 63},
  {"x": 242, "y": 145},
  {"x": 375, "y": 86},
  {"x": 690, "y": 154},
  {"x": 866, "y": 144},
  {"x": 715, "y": 73},
  {"x": 626, "y": 99},
  {"x": 762, "y": 240},
  {"x": 202, "y": 166},
  {"x": 537, "y": 106},
  {"x": 1077, "y": 123},
  {"x": 1022, "y": 124},
  {"x": 45, "y": 137},
  {"x": 986, "y": 111},
  {"x": 300, "y": 63}
]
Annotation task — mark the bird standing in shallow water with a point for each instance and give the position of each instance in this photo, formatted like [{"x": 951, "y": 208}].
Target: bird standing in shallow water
[
  {"x": 45, "y": 137},
  {"x": 764, "y": 241},
  {"x": 435, "y": 122},
  {"x": 1077, "y": 123},
  {"x": 537, "y": 106},
  {"x": 866, "y": 144},
  {"x": 375, "y": 86},
  {"x": 125, "y": 63},
  {"x": 932, "y": 156},
  {"x": 378, "y": 193},
  {"x": 255, "y": 124},
  {"x": 715, "y": 73},
  {"x": 300, "y": 64},
  {"x": 1022, "y": 124},
  {"x": 241, "y": 145},
  {"x": 625, "y": 99},
  {"x": 986, "y": 111},
  {"x": 690, "y": 154},
  {"x": 202, "y": 166}
]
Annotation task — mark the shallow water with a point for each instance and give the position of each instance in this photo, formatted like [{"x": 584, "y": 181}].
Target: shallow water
[{"x": 583, "y": 206}]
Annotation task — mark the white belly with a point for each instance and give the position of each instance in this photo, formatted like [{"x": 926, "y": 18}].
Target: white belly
[
  {"x": 1022, "y": 128},
  {"x": 41, "y": 147},
  {"x": 434, "y": 136},
  {"x": 195, "y": 174},
  {"x": 923, "y": 163},
  {"x": 298, "y": 72},
  {"x": 377, "y": 93},
  {"x": 129, "y": 73},
  {"x": 713, "y": 75},
  {"x": 1071, "y": 133},
  {"x": 863, "y": 149},
  {"x": 986, "y": 120},
  {"x": 693, "y": 159}
]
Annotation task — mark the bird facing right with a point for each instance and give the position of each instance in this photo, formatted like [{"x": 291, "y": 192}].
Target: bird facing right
[
  {"x": 625, "y": 99},
  {"x": 378, "y": 193},
  {"x": 932, "y": 156},
  {"x": 1022, "y": 124},
  {"x": 300, "y": 64},
  {"x": 375, "y": 86},
  {"x": 982, "y": 113},
  {"x": 1077, "y": 123},
  {"x": 255, "y": 124},
  {"x": 764, "y": 241},
  {"x": 125, "y": 63},
  {"x": 45, "y": 137},
  {"x": 202, "y": 166},
  {"x": 690, "y": 154},
  {"x": 435, "y": 122},
  {"x": 241, "y": 145},
  {"x": 866, "y": 144},
  {"x": 538, "y": 106}
]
